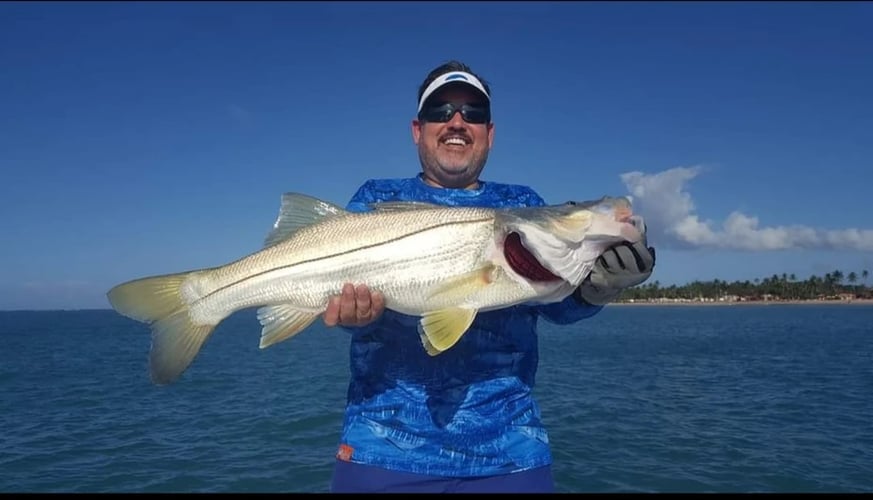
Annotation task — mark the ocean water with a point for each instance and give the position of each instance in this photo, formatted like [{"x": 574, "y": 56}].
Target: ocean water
[{"x": 775, "y": 398}]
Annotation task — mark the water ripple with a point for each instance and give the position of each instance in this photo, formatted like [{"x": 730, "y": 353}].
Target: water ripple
[{"x": 653, "y": 399}]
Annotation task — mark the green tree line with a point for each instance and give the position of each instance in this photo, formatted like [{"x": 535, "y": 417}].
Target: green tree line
[{"x": 832, "y": 286}]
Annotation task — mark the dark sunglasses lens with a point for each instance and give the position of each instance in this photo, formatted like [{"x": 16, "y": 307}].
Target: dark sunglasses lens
[
  {"x": 475, "y": 114},
  {"x": 439, "y": 114},
  {"x": 444, "y": 113}
]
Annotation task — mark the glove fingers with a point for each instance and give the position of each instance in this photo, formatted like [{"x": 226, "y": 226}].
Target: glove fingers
[
  {"x": 620, "y": 267},
  {"x": 625, "y": 257},
  {"x": 628, "y": 258},
  {"x": 642, "y": 257},
  {"x": 610, "y": 260},
  {"x": 637, "y": 258},
  {"x": 645, "y": 256}
]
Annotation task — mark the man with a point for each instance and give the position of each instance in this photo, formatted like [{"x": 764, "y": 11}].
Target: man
[{"x": 463, "y": 421}]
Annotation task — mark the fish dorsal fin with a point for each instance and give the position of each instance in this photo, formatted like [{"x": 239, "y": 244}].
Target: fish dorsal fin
[
  {"x": 297, "y": 211},
  {"x": 402, "y": 206}
]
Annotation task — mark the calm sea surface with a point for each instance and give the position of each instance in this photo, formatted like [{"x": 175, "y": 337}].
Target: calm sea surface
[{"x": 658, "y": 398}]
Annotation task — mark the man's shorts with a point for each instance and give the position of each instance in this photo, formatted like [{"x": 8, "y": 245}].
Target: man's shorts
[{"x": 350, "y": 477}]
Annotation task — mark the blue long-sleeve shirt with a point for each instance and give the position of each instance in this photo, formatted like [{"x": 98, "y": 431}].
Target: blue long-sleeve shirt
[{"x": 467, "y": 411}]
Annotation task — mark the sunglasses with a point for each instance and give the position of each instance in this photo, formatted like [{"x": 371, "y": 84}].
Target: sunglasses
[{"x": 441, "y": 113}]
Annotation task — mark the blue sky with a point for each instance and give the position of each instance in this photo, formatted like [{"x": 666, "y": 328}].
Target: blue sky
[{"x": 146, "y": 138}]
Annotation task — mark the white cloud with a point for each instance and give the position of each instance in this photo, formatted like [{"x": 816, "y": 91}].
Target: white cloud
[{"x": 669, "y": 211}]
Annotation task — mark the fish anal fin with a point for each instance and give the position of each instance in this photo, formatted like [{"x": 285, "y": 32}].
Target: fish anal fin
[
  {"x": 281, "y": 322},
  {"x": 441, "y": 329}
]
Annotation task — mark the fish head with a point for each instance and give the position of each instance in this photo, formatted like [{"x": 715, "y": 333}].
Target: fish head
[
  {"x": 566, "y": 239},
  {"x": 609, "y": 219}
]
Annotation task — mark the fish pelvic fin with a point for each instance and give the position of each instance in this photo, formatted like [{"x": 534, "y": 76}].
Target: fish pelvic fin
[
  {"x": 176, "y": 339},
  {"x": 428, "y": 347},
  {"x": 281, "y": 322},
  {"x": 440, "y": 330}
]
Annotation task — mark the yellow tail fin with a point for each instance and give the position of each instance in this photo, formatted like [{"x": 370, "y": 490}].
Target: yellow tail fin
[{"x": 176, "y": 340}]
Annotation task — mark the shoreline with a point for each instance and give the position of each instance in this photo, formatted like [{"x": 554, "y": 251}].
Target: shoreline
[{"x": 699, "y": 303}]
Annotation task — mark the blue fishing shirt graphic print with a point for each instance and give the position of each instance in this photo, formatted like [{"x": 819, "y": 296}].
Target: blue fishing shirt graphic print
[{"x": 467, "y": 411}]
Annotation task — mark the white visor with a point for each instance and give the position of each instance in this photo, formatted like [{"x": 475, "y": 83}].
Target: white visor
[{"x": 453, "y": 77}]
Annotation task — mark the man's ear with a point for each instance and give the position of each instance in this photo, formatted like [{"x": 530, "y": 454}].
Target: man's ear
[{"x": 416, "y": 131}]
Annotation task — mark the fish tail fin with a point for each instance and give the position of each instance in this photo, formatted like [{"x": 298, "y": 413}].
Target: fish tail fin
[
  {"x": 149, "y": 299},
  {"x": 176, "y": 338}
]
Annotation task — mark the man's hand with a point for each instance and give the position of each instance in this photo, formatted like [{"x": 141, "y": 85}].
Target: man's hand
[
  {"x": 621, "y": 266},
  {"x": 355, "y": 306}
]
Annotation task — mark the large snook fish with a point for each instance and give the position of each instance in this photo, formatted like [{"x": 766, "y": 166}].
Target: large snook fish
[{"x": 441, "y": 263}]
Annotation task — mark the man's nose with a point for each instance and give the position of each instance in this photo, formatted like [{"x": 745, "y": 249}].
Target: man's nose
[{"x": 457, "y": 121}]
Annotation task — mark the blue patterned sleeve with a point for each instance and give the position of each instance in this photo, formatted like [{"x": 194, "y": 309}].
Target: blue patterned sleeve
[
  {"x": 567, "y": 311},
  {"x": 362, "y": 198}
]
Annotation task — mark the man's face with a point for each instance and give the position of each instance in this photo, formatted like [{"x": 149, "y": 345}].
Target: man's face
[{"x": 453, "y": 153}]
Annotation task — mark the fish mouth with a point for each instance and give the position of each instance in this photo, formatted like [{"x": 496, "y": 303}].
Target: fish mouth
[
  {"x": 523, "y": 262},
  {"x": 630, "y": 228},
  {"x": 623, "y": 214}
]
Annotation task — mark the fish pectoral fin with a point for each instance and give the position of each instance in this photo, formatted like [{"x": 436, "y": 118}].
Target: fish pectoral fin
[
  {"x": 441, "y": 329},
  {"x": 456, "y": 290},
  {"x": 282, "y": 322}
]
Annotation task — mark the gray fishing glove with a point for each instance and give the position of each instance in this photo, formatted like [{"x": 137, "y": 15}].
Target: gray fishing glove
[{"x": 621, "y": 266}]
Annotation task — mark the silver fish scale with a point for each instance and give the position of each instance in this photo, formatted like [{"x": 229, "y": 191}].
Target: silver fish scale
[
  {"x": 423, "y": 260},
  {"x": 405, "y": 255}
]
